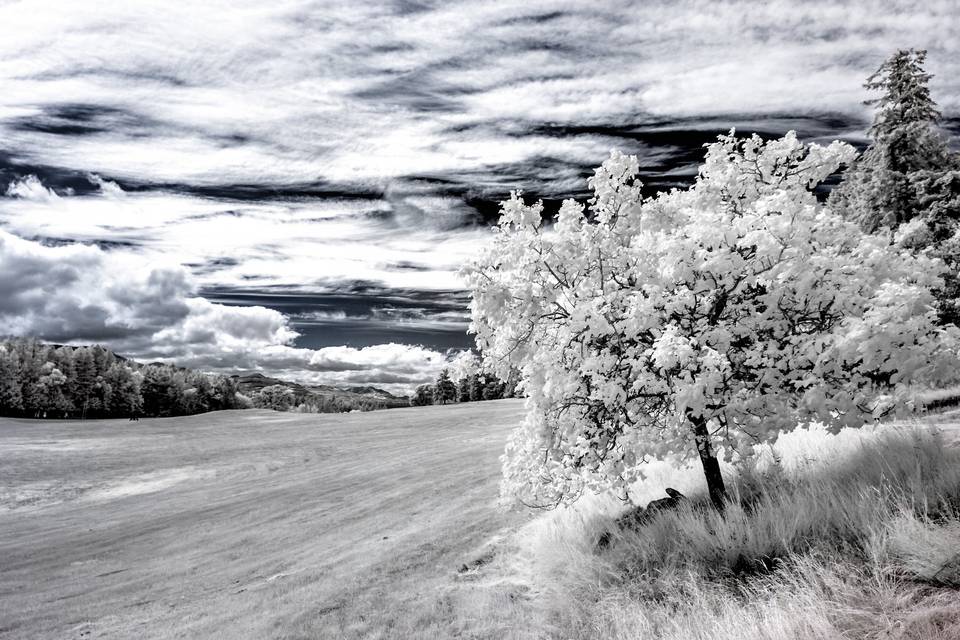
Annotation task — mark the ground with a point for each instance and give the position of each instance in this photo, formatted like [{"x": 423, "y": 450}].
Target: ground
[{"x": 245, "y": 524}]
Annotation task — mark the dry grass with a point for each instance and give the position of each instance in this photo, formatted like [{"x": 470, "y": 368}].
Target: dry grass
[{"x": 861, "y": 542}]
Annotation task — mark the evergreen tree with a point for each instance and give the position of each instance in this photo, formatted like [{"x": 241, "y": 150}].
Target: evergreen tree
[
  {"x": 908, "y": 180},
  {"x": 880, "y": 189},
  {"x": 493, "y": 389},
  {"x": 160, "y": 391},
  {"x": 476, "y": 387},
  {"x": 463, "y": 389},
  {"x": 444, "y": 390}
]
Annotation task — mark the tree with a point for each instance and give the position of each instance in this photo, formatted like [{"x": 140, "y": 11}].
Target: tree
[
  {"x": 882, "y": 188},
  {"x": 11, "y": 398},
  {"x": 162, "y": 391},
  {"x": 124, "y": 399},
  {"x": 908, "y": 176},
  {"x": 276, "y": 397},
  {"x": 477, "y": 385},
  {"x": 702, "y": 319},
  {"x": 422, "y": 396},
  {"x": 85, "y": 380},
  {"x": 493, "y": 389},
  {"x": 444, "y": 390},
  {"x": 463, "y": 389},
  {"x": 52, "y": 387}
]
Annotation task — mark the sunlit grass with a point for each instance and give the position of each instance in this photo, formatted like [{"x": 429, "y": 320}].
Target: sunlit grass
[{"x": 855, "y": 535}]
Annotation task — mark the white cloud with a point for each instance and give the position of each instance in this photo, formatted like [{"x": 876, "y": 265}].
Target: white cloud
[
  {"x": 311, "y": 244},
  {"x": 82, "y": 294},
  {"x": 30, "y": 188},
  {"x": 108, "y": 189},
  {"x": 289, "y": 92}
]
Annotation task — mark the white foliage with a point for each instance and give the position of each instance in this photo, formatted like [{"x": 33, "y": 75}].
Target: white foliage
[{"x": 740, "y": 300}]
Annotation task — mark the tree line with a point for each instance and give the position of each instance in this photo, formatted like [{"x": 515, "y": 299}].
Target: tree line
[
  {"x": 280, "y": 397},
  {"x": 41, "y": 380},
  {"x": 471, "y": 387}
]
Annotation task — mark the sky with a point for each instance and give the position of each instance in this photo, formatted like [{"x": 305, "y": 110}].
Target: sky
[{"x": 291, "y": 187}]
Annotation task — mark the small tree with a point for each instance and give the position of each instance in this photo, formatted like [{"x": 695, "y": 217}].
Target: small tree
[
  {"x": 712, "y": 317},
  {"x": 444, "y": 390}
]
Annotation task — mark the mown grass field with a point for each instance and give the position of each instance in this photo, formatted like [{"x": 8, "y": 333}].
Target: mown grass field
[
  {"x": 257, "y": 524},
  {"x": 247, "y": 524}
]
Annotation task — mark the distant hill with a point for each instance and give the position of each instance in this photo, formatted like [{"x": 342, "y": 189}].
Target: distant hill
[{"x": 253, "y": 382}]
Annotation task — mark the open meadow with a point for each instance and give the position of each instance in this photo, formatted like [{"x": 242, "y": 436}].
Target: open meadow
[
  {"x": 260, "y": 524},
  {"x": 245, "y": 524}
]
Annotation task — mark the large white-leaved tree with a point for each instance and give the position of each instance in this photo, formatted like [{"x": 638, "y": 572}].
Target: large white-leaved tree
[{"x": 706, "y": 318}]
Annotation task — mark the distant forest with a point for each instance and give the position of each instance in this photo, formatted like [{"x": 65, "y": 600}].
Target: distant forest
[{"x": 40, "y": 380}]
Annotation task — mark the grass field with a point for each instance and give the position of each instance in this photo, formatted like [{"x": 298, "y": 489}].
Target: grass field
[
  {"x": 257, "y": 524},
  {"x": 247, "y": 524}
]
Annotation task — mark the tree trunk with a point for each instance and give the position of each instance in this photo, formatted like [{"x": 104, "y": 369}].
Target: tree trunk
[{"x": 711, "y": 466}]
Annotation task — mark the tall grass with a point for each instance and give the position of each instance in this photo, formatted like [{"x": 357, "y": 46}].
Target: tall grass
[{"x": 857, "y": 537}]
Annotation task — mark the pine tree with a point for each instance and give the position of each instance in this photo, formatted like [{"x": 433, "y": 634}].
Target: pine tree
[
  {"x": 477, "y": 384},
  {"x": 463, "y": 389},
  {"x": 880, "y": 189},
  {"x": 444, "y": 391}
]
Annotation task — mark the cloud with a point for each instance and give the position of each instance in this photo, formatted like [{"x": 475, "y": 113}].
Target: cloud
[
  {"x": 107, "y": 188},
  {"x": 304, "y": 147},
  {"x": 216, "y": 93},
  {"x": 401, "y": 242},
  {"x": 81, "y": 293},
  {"x": 30, "y": 188}
]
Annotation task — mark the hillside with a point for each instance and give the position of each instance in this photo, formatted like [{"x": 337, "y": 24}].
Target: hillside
[
  {"x": 249, "y": 524},
  {"x": 252, "y": 382}
]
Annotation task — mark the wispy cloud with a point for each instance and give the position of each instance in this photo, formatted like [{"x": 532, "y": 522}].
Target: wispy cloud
[{"x": 226, "y": 92}]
